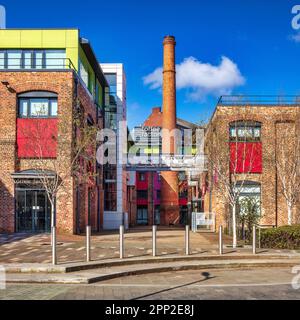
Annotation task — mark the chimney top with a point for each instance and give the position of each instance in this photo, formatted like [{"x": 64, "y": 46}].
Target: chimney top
[{"x": 169, "y": 39}]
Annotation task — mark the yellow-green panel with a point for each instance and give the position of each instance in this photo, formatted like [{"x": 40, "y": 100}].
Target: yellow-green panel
[
  {"x": 31, "y": 39},
  {"x": 54, "y": 39},
  {"x": 72, "y": 54},
  {"x": 10, "y": 38},
  {"x": 72, "y": 38}
]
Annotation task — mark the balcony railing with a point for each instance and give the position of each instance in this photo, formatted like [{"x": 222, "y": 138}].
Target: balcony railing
[
  {"x": 36, "y": 64},
  {"x": 236, "y": 100}
]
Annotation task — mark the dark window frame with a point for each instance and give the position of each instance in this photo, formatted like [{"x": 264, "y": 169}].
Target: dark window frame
[{"x": 29, "y": 100}]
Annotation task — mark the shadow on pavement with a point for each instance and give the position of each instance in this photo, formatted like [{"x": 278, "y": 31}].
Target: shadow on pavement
[{"x": 206, "y": 276}]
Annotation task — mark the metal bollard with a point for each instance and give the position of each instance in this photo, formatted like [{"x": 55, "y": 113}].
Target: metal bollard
[
  {"x": 53, "y": 243},
  {"x": 122, "y": 242},
  {"x": 154, "y": 234},
  {"x": 254, "y": 240},
  {"x": 88, "y": 243},
  {"x": 187, "y": 240},
  {"x": 221, "y": 251}
]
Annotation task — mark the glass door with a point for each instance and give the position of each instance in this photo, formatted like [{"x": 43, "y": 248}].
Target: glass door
[
  {"x": 24, "y": 211},
  {"x": 33, "y": 211}
]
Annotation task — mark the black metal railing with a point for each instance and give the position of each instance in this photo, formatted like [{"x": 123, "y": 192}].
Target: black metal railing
[
  {"x": 252, "y": 100},
  {"x": 36, "y": 64}
]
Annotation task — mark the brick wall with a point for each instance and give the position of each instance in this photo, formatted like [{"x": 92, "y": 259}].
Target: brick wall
[
  {"x": 63, "y": 84},
  {"x": 274, "y": 209}
]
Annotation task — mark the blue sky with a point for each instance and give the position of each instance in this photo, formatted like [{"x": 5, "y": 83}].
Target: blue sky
[{"x": 255, "y": 36}]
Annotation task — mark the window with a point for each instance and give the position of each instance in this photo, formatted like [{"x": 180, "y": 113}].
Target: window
[
  {"x": 27, "y": 60},
  {"x": 14, "y": 59},
  {"x": 142, "y": 194},
  {"x": 38, "y": 107},
  {"x": 2, "y": 59},
  {"x": 32, "y": 59},
  {"x": 110, "y": 197},
  {"x": 112, "y": 81},
  {"x": 249, "y": 190},
  {"x": 243, "y": 131},
  {"x": 55, "y": 59},
  {"x": 38, "y": 60},
  {"x": 84, "y": 74}
]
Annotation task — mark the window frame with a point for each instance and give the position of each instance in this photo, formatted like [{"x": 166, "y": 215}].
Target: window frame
[
  {"x": 30, "y": 100},
  {"x": 245, "y": 126}
]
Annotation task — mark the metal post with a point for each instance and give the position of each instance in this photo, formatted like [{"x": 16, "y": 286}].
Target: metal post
[
  {"x": 122, "y": 242},
  {"x": 53, "y": 243},
  {"x": 154, "y": 233},
  {"x": 221, "y": 252},
  {"x": 187, "y": 240},
  {"x": 88, "y": 243},
  {"x": 254, "y": 240}
]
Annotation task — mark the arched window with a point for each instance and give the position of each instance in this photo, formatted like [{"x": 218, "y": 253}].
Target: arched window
[
  {"x": 37, "y": 104},
  {"x": 243, "y": 131}
]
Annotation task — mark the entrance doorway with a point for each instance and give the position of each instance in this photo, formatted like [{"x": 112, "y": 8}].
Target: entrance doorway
[{"x": 33, "y": 211}]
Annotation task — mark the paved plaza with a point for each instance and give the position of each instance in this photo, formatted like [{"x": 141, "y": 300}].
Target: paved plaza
[
  {"x": 261, "y": 283},
  {"x": 25, "y": 248}
]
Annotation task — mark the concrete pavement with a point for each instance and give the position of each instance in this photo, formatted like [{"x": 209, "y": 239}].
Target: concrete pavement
[{"x": 215, "y": 284}]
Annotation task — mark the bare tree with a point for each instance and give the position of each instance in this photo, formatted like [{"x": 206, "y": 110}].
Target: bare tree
[
  {"x": 287, "y": 164},
  {"x": 232, "y": 157},
  {"x": 67, "y": 152}
]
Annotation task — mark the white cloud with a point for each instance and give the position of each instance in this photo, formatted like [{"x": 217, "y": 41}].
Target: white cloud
[{"x": 201, "y": 79}]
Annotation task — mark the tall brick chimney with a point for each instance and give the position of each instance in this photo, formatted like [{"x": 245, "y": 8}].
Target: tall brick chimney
[{"x": 169, "y": 183}]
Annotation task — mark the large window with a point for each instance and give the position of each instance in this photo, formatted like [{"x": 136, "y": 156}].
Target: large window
[
  {"x": 245, "y": 131},
  {"x": 32, "y": 59},
  {"x": 37, "y": 107},
  {"x": 112, "y": 81}
]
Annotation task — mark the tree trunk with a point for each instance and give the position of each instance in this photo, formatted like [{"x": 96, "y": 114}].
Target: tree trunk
[
  {"x": 234, "y": 226},
  {"x": 52, "y": 214},
  {"x": 53, "y": 233},
  {"x": 290, "y": 214}
]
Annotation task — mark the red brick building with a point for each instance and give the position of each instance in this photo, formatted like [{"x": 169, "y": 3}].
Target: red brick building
[
  {"x": 253, "y": 133},
  {"x": 41, "y": 87},
  {"x": 144, "y": 198}
]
